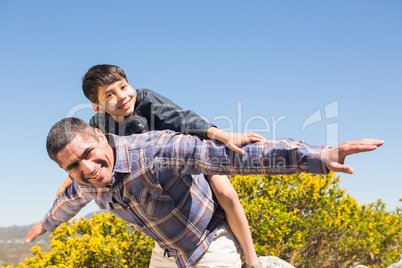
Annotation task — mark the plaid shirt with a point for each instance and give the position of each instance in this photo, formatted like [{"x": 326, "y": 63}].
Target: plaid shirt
[{"x": 154, "y": 189}]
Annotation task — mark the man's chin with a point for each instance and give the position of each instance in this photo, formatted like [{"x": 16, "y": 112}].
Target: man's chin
[{"x": 103, "y": 184}]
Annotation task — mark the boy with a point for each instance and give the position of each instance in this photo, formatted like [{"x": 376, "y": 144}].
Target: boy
[{"x": 123, "y": 111}]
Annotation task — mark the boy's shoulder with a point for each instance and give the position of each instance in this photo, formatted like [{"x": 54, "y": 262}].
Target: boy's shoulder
[{"x": 143, "y": 93}]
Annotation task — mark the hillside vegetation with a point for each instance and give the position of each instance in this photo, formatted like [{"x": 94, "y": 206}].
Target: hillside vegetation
[{"x": 307, "y": 220}]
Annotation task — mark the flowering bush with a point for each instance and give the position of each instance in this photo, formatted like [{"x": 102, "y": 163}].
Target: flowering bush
[
  {"x": 307, "y": 220},
  {"x": 103, "y": 241}
]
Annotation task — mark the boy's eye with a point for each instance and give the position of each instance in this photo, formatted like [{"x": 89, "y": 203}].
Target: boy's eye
[{"x": 123, "y": 87}]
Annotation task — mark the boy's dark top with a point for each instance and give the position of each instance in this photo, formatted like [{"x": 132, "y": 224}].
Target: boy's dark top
[{"x": 153, "y": 112}]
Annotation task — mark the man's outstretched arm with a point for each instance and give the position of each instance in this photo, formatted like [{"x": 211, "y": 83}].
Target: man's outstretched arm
[
  {"x": 64, "y": 208},
  {"x": 188, "y": 155},
  {"x": 335, "y": 157}
]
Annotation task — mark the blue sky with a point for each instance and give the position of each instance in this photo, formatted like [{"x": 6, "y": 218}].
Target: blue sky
[{"x": 324, "y": 71}]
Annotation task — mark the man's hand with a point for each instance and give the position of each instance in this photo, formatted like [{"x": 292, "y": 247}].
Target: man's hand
[
  {"x": 233, "y": 140},
  {"x": 335, "y": 157},
  {"x": 36, "y": 231}
]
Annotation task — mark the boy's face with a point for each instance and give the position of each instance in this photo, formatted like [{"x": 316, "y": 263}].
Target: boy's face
[{"x": 117, "y": 99}]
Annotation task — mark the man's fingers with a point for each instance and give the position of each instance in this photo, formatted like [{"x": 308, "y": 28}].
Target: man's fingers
[
  {"x": 36, "y": 231},
  {"x": 337, "y": 167},
  {"x": 358, "y": 146},
  {"x": 30, "y": 237}
]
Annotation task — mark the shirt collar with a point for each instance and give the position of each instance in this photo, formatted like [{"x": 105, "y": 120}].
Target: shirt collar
[{"x": 122, "y": 162}]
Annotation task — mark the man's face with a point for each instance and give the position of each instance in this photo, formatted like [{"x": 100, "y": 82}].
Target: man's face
[
  {"x": 117, "y": 99},
  {"x": 88, "y": 160}
]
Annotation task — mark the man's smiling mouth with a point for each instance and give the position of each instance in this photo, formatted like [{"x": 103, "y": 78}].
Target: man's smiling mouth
[{"x": 96, "y": 174}]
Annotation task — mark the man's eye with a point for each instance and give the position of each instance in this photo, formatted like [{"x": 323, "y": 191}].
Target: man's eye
[
  {"x": 88, "y": 153},
  {"x": 73, "y": 166}
]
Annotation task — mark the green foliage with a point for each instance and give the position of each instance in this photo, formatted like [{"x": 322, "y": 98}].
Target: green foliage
[
  {"x": 305, "y": 219},
  {"x": 309, "y": 221}
]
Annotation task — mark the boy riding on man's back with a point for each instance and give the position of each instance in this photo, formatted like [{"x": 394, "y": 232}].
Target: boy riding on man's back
[{"x": 123, "y": 110}]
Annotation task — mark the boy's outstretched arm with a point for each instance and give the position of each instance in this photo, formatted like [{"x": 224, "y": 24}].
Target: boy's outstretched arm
[
  {"x": 335, "y": 157},
  {"x": 233, "y": 140},
  {"x": 36, "y": 231}
]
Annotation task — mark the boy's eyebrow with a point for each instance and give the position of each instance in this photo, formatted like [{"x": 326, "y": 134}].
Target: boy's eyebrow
[
  {"x": 122, "y": 82},
  {"x": 83, "y": 155}
]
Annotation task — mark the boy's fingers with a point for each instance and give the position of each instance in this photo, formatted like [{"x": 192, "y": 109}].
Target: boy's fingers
[
  {"x": 255, "y": 136},
  {"x": 254, "y": 139},
  {"x": 236, "y": 149}
]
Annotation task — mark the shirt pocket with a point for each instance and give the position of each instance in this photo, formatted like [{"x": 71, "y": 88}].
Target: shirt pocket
[{"x": 154, "y": 202}]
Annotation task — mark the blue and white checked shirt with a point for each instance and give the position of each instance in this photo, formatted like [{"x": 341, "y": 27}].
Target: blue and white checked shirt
[{"x": 154, "y": 188}]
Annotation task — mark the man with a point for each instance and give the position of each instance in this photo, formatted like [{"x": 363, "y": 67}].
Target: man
[{"x": 146, "y": 180}]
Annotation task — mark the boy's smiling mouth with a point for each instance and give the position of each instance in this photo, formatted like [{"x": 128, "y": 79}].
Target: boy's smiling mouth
[{"x": 125, "y": 105}]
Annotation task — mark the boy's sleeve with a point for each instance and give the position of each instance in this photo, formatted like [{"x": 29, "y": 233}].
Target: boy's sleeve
[
  {"x": 66, "y": 206},
  {"x": 162, "y": 114}
]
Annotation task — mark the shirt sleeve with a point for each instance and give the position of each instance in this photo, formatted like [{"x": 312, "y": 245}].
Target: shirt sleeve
[
  {"x": 189, "y": 155},
  {"x": 163, "y": 114},
  {"x": 66, "y": 206}
]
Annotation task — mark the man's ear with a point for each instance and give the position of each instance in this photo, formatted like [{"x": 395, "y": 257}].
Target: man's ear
[
  {"x": 98, "y": 108},
  {"x": 101, "y": 136}
]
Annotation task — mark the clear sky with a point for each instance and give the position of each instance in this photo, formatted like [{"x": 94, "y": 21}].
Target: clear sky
[{"x": 321, "y": 71}]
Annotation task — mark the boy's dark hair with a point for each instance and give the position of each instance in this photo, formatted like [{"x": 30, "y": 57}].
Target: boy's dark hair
[
  {"x": 100, "y": 75},
  {"x": 64, "y": 132}
]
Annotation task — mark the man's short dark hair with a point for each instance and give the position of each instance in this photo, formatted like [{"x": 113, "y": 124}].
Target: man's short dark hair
[
  {"x": 100, "y": 75},
  {"x": 64, "y": 132}
]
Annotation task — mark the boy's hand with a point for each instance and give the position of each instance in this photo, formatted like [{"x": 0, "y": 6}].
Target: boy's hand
[
  {"x": 60, "y": 190},
  {"x": 233, "y": 140},
  {"x": 335, "y": 157},
  {"x": 36, "y": 231},
  {"x": 63, "y": 187}
]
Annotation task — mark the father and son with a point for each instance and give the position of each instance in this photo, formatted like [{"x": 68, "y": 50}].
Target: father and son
[{"x": 172, "y": 183}]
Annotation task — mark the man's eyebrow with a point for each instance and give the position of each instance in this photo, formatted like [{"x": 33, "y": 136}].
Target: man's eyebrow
[{"x": 83, "y": 155}]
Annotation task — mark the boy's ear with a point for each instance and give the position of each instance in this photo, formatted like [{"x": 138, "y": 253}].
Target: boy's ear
[{"x": 97, "y": 108}]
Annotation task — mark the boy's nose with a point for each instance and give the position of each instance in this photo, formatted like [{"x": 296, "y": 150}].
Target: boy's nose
[{"x": 120, "y": 94}]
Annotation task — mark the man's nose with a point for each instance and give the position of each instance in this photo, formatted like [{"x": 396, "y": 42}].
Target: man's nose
[{"x": 87, "y": 167}]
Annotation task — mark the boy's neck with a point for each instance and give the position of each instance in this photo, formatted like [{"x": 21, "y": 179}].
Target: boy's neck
[{"x": 119, "y": 118}]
